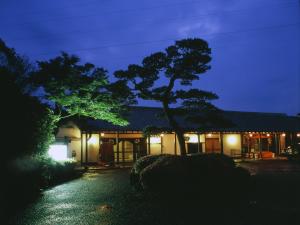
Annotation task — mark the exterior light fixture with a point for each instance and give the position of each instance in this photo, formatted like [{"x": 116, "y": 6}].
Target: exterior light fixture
[
  {"x": 161, "y": 135},
  {"x": 102, "y": 134},
  {"x": 231, "y": 139},
  {"x": 268, "y": 135},
  {"x": 250, "y": 135},
  {"x": 58, "y": 152},
  {"x": 209, "y": 135},
  {"x": 155, "y": 140},
  {"x": 298, "y": 135},
  {"x": 93, "y": 140},
  {"x": 193, "y": 138},
  {"x": 283, "y": 135}
]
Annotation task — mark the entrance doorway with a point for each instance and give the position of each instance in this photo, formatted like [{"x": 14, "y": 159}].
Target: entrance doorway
[{"x": 212, "y": 145}]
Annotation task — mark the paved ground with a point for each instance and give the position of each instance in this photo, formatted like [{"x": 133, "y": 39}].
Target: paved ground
[
  {"x": 96, "y": 198},
  {"x": 105, "y": 197}
]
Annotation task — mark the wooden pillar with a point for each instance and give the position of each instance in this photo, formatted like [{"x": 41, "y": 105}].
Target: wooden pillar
[
  {"x": 81, "y": 148},
  {"x": 242, "y": 142},
  {"x": 276, "y": 143},
  {"x": 259, "y": 144},
  {"x": 175, "y": 144},
  {"x": 198, "y": 137},
  {"x": 149, "y": 150},
  {"x": 86, "y": 147},
  {"x": 123, "y": 152},
  {"x": 221, "y": 142},
  {"x": 161, "y": 144},
  {"x": 118, "y": 147},
  {"x": 99, "y": 150}
]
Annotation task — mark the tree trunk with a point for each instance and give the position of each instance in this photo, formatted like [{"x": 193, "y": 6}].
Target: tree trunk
[{"x": 174, "y": 125}]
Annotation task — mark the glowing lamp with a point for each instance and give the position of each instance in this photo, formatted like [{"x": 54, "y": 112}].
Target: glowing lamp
[
  {"x": 298, "y": 135},
  {"x": 58, "y": 152},
  {"x": 155, "y": 140},
  {"x": 209, "y": 135},
  {"x": 251, "y": 135},
  {"x": 268, "y": 135},
  {"x": 93, "y": 140},
  {"x": 161, "y": 135},
  {"x": 283, "y": 135},
  {"x": 102, "y": 134},
  {"x": 231, "y": 139}
]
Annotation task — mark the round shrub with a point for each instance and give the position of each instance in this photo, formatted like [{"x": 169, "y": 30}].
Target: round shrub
[
  {"x": 199, "y": 179},
  {"x": 137, "y": 168}
]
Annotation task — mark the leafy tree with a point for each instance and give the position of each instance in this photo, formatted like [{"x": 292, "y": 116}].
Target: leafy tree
[
  {"x": 28, "y": 125},
  {"x": 162, "y": 73},
  {"x": 84, "y": 90}
]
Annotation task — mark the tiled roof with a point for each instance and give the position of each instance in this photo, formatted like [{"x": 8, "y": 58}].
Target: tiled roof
[{"x": 140, "y": 117}]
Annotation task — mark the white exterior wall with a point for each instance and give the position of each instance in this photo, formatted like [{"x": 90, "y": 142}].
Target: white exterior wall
[
  {"x": 72, "y": 132},
  {"x": 232, "y": 142}
]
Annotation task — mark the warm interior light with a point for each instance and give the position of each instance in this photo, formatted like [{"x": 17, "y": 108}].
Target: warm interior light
[
  {"x": 58, "y": 152},
  {"x": 231, "y": 139},
  {"x": 102, "y": 134},
  {"x": 93, "y": 140},
  {"x": 155, "y": 140},
  {"x": 193, "y": 138}
]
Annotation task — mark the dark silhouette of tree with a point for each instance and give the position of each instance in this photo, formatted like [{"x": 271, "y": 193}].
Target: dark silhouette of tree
[
  {"x": 159, "y": 75},
  {"x": 27, "y": 124},
  {"x": 83, "y": 90}
]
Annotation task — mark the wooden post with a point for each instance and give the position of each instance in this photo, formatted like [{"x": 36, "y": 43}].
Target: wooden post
[
  {"x": 175, "y": 144},
  {"x": 123, "y": 152},
  {"x": 259, "y": 144},
  {"x": 81, "y": 148},
  {"x": 221, "y": 142},
  {"x": 99, "y": 151},
  {"x": 149, "y": 150},
  {"x": 86, "y": 147},
  {"x": 118, "y": 147},
  {"x": 161, "y": 145},
  {"x": 198, "y": 137},
  {"x": 276, "y": 143}
]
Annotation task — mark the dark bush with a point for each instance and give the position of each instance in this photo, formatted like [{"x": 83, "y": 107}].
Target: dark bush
[
  {"x": 137, "y": 168},
  {"x": 203, "y": 179}
]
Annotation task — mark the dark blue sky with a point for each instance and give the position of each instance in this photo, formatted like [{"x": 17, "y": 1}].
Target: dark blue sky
[{"x": 255, "y": 43}]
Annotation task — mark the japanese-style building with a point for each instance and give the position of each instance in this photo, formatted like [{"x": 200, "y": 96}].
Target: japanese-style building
[{"x": 253, "y": 135}]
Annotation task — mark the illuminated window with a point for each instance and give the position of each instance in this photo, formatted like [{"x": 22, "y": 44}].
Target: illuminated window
[{"x": 58, "y": 152}]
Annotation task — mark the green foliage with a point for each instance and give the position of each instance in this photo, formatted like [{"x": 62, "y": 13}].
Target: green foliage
[{"x": 83, "y": 90}]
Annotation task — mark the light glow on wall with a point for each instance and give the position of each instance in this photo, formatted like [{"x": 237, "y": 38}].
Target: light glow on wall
[
  {"x": 58, "y": 152},
  {"x": 232, "y": 139},
  {"x": 155, "y": 140},
  {"x": 93, "y": 140},
  {"x": 193, "y": 138}
]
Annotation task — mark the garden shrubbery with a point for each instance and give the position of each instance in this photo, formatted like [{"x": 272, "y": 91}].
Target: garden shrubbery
[{"x": 204, "y": 178}]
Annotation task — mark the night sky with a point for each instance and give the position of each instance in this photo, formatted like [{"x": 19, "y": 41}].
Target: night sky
[{"x": 255, "y": 43}]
